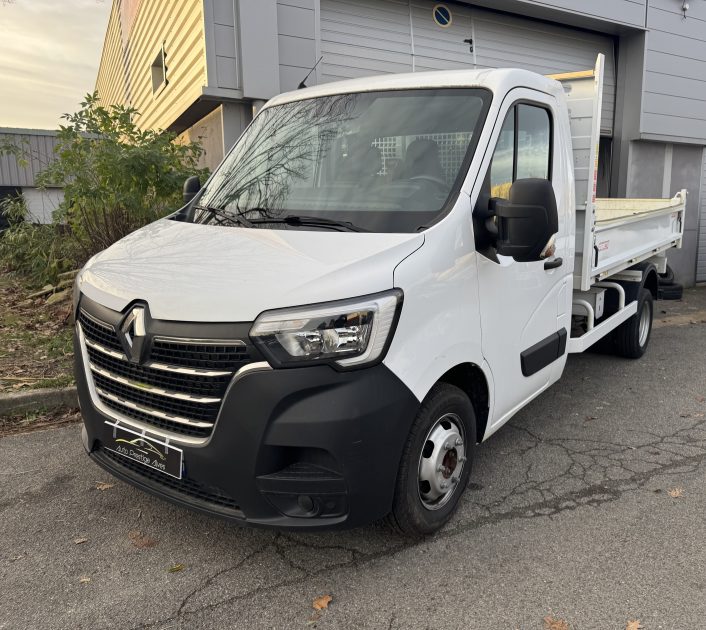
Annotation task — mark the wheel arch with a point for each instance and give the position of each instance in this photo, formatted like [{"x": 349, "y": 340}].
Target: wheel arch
[
  {"x": 470, "y": 378},
  {"x": 649, "y": 281}
]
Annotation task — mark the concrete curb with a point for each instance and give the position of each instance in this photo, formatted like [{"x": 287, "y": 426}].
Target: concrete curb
[{"x": 38, "y": 399}]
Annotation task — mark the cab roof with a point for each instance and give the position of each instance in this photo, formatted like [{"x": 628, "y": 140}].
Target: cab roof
[{"x": 496, "y": 80}]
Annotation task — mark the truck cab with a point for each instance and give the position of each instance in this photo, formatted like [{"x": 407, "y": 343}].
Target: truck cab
[{"x": 377, "y": 277}]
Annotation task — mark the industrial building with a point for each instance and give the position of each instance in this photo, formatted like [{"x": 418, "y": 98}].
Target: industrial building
[
  {"x": 201, "y": 67},
  {"x": 18, "y": 172}
]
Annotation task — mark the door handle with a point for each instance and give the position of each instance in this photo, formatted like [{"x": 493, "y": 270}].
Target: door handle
[{"x": 553, "y": 264}]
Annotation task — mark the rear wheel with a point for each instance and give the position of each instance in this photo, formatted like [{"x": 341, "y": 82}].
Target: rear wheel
[
  {"x": 436, "y": 462},
  {"x": 631, "y": 337}
]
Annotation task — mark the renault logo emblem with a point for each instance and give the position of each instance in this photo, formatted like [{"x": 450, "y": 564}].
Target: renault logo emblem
[{"x": 132, "y": 334}]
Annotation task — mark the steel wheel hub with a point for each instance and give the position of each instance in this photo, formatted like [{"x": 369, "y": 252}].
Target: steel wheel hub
[
  {"x": 644, "y": 328},
  {"x": 441, "y": 461}
]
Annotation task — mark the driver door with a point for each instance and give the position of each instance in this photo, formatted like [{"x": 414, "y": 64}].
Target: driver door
[{"x": 524, "y": 306}]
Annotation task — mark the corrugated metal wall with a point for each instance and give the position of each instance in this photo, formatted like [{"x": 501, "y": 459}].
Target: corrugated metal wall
[
  {"x": 382, "y": 36},
  {"x": 701, "y": 256},
  {"x": 38, "y": 148},
  {"x": 124, "y": 74}
]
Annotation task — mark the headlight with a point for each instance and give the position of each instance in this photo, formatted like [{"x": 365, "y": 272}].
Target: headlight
[{"x": 349, "y": 333}]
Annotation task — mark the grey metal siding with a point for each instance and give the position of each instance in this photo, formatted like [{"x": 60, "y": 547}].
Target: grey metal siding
[
  {"x": 364, "y": 37},
  {"x": 630, "y": 12},
  {"x": 37, "y": 146},
  {"x": 368, "y": 37},
  {"x": 674, "y": 101},
  {"x": 225, "y": 44},
  {"x": 296, "y": 35},
  {"x": 701, "y": 255},
  {"x": 504, "y": 40}
]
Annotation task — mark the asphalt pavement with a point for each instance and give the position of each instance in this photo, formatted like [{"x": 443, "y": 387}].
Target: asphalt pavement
[{"x": 586, "y": 511}]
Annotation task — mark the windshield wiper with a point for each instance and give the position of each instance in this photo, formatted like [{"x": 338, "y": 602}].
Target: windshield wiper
[
  {"x": 229, "y": 216},
  {"x": 293, "y": 219}
]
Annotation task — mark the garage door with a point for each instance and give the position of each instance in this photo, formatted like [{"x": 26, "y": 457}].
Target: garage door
[
  {"x": 364, "y": 37},
  {"x": 701, "y": 256}
]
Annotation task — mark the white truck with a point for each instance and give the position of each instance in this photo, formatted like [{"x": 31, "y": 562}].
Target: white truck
[{"x": 380, "y": 273}]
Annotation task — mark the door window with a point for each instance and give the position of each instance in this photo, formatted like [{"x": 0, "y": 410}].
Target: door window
[{"x": 523, "y": 149}]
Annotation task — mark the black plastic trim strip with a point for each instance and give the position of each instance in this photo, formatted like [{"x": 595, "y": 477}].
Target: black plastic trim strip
[{"x": 544, "y": 352}]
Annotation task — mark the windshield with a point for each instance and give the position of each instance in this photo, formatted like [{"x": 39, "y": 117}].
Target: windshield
[{"x": 374, "y": 161}]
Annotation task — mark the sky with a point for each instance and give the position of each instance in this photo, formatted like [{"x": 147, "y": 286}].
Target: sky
[{"x": 49, "y": 55}]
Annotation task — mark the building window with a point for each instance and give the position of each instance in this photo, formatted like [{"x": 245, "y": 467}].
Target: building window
[{"x": 159, "y": 71}]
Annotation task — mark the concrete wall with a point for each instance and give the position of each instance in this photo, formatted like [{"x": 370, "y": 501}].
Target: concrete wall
[
  {"x": 218, "y": 131},
  {"x": 659, "y": 170},
  {"x": 701, "y": 256}
]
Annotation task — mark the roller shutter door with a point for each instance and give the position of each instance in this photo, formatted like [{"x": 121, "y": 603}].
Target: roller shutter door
[{"x": 365, "y": 37}]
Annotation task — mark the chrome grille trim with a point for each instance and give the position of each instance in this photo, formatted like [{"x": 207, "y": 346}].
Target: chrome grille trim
[
  {"x": 184, "y": 370},
  {"x": 156, "y": 365},
  {"x": 154, "y": 412},
  {"x": 104, "y": 350},
  {"x": 198, "y": 342},
  {"x": 151, "y": 389}
]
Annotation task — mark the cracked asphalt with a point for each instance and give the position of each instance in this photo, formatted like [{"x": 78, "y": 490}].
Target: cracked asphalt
[{"x": 569, "y": 515}]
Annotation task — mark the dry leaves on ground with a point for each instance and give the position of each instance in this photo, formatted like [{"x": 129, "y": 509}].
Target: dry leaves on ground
[
  {"x": 102, "y": 485},
  {"x": 175, "y": 568},
  {"x": 84, "y": 580},
  {"x": 676, "y": 493},
  {"x": 552, "y": 623},
  {"x": 140, "y": 540},
  {"x": 634, "y": 625},
  {"x": 321, "y": 603},
  {"x": 80, "y": 541}
]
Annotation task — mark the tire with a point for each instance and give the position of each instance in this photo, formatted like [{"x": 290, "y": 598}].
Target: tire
[
  {"x": 632, "y": 337},
  {"x": 420, "y": 506},
  {"x": 674, "y": 291}
]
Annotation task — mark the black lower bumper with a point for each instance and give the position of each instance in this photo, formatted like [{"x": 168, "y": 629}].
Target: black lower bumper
[{"x": 292, "y": 448}]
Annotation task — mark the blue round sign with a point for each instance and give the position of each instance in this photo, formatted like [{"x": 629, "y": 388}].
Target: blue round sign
[{"x": 442, "y": 15}]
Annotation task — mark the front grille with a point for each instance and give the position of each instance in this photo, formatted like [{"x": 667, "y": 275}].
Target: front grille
[
  {"x": 200, "y": 355},
  {"x": 188, "y": 488},
  {"x": 174, "y": 381},
  {"x": 99, "y": 332},
  {"x": 179, "y": 388}
]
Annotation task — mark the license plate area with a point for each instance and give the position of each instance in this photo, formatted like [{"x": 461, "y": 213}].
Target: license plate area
[{"x": 148, "y": 451}]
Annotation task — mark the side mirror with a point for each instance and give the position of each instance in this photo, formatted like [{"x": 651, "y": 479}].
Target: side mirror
[
  {"x": 192, "y": 185},
  {"x": 527, "y": 221}
]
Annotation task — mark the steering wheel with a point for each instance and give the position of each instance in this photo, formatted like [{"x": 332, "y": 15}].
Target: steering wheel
[{"x": 437, "y": 181}]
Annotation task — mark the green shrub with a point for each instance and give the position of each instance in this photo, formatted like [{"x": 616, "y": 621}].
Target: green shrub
[
  {"x": 116, "y": 178},
  {"x": 38, "y": 252}
]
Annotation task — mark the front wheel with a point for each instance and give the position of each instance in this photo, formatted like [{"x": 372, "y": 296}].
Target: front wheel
[
  {"x": 436, "y": 462},
  {"x": 632, "y": 337}
]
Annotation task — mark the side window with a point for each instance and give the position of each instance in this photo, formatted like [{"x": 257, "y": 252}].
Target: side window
[
  {"x": 523, "y": 149},
  {"x": 533, "y": 142}
]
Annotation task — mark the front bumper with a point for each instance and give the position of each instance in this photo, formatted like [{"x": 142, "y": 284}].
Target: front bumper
[{"x": 292, "y": 448}]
